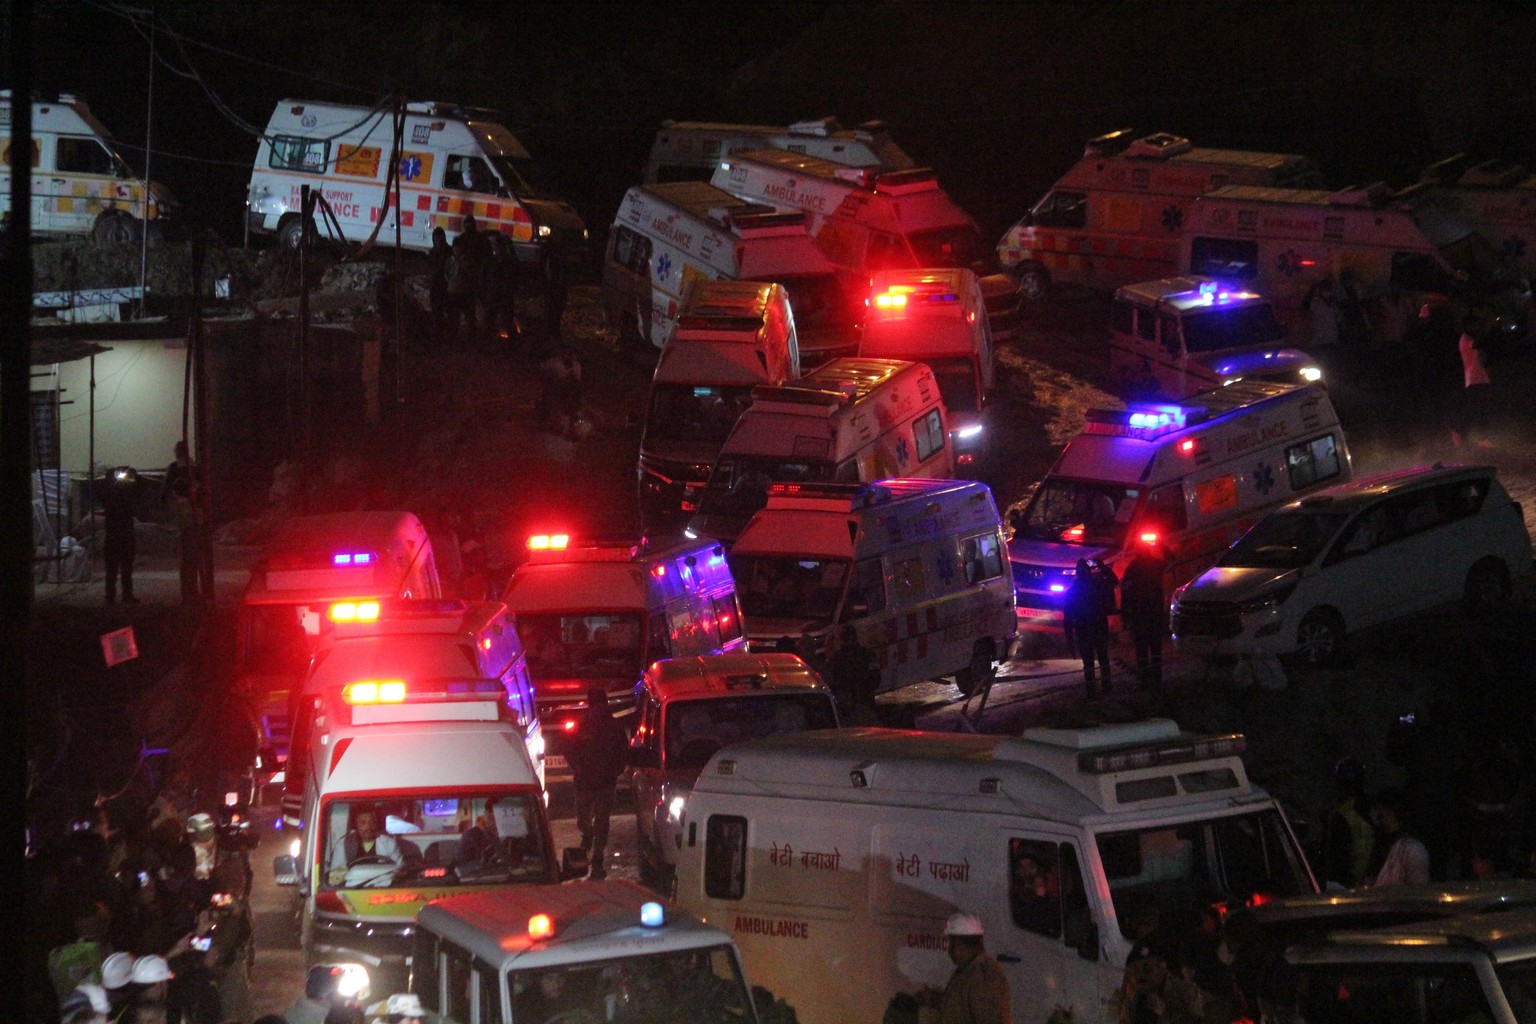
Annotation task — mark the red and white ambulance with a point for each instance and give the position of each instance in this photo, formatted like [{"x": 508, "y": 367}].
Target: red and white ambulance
[{"x": 1496, "y": 197}]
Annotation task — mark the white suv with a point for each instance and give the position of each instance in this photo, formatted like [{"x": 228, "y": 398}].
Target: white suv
[{"x": 1353, "y": 556}]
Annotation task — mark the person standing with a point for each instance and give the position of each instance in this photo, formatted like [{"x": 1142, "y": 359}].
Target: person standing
[
  {"x": 1090, "y": 600},
  {"x": 183, "y": 491},
  {"x": 1406, "y": 859},
  {"x": 977, "y": 991},
  {"x": 1477, "y": 389},
  {"x": 854, "y": 675},
  {"x": 119, "y": 496},
  {"x": 1144, "y": 607},
  {"x": 437, "y": 277},
  {"x": 498, "y": 289},
  {"x": 598, "y": 752},
  {"x": 1347, "y": 835},
  {"x": 465, "y": 260}
]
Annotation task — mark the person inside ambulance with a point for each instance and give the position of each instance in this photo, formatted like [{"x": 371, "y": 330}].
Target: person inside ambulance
[
  {"x": 558, "y": 995},
  {"x": 468, "y": 174},
  {"x": 364, "y": 844}
]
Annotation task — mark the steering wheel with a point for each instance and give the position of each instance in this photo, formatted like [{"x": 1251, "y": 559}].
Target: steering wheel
[{"x": 371, "y": 858}]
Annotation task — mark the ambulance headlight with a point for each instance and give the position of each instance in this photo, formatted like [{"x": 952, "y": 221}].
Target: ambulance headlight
[
  {"x": 966, "y": 433},
  {"x": 545, "y": 230},
  {"x": 1311, "y": 374},
  {"x": 675, "y": 810},
  {"x": 293, "y": 849},
  {"x": 351, "y": 981}
]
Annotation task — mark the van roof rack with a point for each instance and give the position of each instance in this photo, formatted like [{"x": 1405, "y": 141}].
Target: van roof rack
[
  {"x": 1158, "y": 146},
  {"x": 1109, "y": 144}
]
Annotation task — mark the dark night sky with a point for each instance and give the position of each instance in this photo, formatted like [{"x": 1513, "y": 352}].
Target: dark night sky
[{"x": 998, "y": 97}]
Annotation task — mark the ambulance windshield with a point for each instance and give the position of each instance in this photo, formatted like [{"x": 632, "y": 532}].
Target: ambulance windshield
[
  {"x": 1218, "y": 328},
  {"x": 512, "y": 162},
  {"x": 739, "y": 485},
  {"x": 443, "y": 838},
  {"x": 789, "y": 586},
  {"x": 695, "y": 729},
  {"x": 1200, "y": 865},
  {"x": 957, "y": 245},
  {"x": 595, "y": 645},
  {"x": 695, "y": 412},
  {"x": 1080, "y": 512}
]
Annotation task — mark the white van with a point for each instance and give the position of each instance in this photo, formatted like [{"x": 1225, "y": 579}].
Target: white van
[
  {"x": 732, "y": 336},
  {"x": 665, "y": 238},
  {"x": 917, "y": 568},
  {"x": 80, "y": 186},
  {"x": 690, "y": 708},
  {"x": 597, "y": 614},
  {"x": 1195, "y": 474},
  {"x": 1282, "y": 242},
  {"x": 453, "y": 796},
  {"x": 847, "y": 421},
  {"x": 417, "y": 642},
  {"x": 1498, "y": 198},
  {"x": 867, "y": 222},
  {"x": 937, "y": 316},
  {"x": 309, "y": 564},
  {"x": 691, "y": 150},
  {"x": 834, "y": 858},
  {"x": 1118, "y": 214},
  {"x": 1179, "y": 335},
  {"x": 452, "y": 161},
  {"x": 575, "y": 953}
]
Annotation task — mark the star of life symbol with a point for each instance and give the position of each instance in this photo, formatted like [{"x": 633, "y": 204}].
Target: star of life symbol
[
  {"x": 1290, "y": 263},
  {"x": 1173, "y": 218},
  {"x": 663, "y": 266},
  {"x": 410, "y": 167},
  {"x": 903, "y": 453},
  {"x": 1264, "y": 477}
]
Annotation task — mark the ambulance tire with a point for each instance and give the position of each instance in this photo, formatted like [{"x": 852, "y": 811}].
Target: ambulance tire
[
  {"x": 1034, "y": 282},
  {"x": 115, "y": 227},
  {"x": 1320, "y": 638},
  {"x": 979, "y": 672},
  {"x": 290, "y": 234}
]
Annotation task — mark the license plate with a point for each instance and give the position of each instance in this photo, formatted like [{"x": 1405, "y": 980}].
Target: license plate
[
  {"x": 1037, "y": 613},
  {"x": 555, "y": 763}
]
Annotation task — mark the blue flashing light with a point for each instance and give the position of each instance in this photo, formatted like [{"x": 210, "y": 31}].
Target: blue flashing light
[
  {"x": 652, "y": 915},
  {"x": 1207, "y": 287},
  {"x": 342, "y": 559},
  {"x": 352, "y": 558},
  {"x": 716, "y": 560}
]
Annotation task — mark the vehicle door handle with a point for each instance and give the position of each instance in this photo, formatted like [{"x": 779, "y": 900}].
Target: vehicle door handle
[{"x": 1009, "y": 958}]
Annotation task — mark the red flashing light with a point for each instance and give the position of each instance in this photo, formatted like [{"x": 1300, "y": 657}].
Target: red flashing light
[
  {"x": 434, "y": 872},
  {"x": 1186, "y": 446},
  {"x": 891, "y": 300},
  {"x": 375, "y": 691},
  {"x": 353, "y": 611},
  {"x": 485, "y": 644},
  {"x": 549, "y": 541},
  {"x": 726, "y": 619},
  {"x": 970, "y": 317},
  {"x": 569, "y": 725},
  {"x": 658, "y": 571},
  {"x": 1149, "y": 537},
  {"x": 540, "y": 926},
  {"x": 1072, "y": 533}
]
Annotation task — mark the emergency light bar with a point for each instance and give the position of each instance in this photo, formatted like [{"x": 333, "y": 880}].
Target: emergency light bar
[
  {"x": 353, "y": 611},
  {"x": 541, "y": 926},
  {"x": 1145, "y": 422},
  {"x": 549, "y": 541},
  {"x": 353, "y": 558},
  {"x": 375, "y": 691},
  {"x": 1182, "y": 752}
]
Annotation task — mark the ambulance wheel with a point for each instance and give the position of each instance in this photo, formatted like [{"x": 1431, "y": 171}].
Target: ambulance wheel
[
  {"x": 1320, "y": 638},
  {"x": 290, "y": 234},
  {"x": 975, "y": 675},
  {"x": 115, "y": 226},
  {"x": 1034, "y": 282}
]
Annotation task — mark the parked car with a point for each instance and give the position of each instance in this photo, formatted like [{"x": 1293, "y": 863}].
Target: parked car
[{"x": 1355, "y": 555}]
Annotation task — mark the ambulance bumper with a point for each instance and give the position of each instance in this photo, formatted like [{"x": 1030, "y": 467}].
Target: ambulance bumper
[{"x": 374, "y": 944}]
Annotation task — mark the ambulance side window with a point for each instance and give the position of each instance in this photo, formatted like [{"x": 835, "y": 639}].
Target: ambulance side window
[
  {"x": 520, "y": 693},
  {"x": 659, "y": 644},
  {"x": 1168, "y": 328},
  {"x": 1062, "y": 210},
  {"x": 292, "y": 153},
  {"x": 1166, "y": 507},
  {"x": 1034, "y": 886},
  {"x": 469, "y": 174},
  {"x": 82, "y": 156},
  {"x": 725, "y": 857},
  {"x": 1146, "y": 325},
  {"x": 632, "y": 251},
  {"x": 982, "y": 558},
  {"x": 928, "y": 432},
  {"x": 1122, "y": 318},
  {"x": 847, "y": 472},
  {"x": 728, "y": 618},
  {"x": 866, "y": 591},
  {"x": 490, "y": 993},
  {"x": 1224, "y": 257},
  {"x": 1312, "y": 461}
]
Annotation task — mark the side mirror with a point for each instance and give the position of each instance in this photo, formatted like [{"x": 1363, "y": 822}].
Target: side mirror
[
  {"x": 286, "y": 869},
  {"x": 644, "y": 757}
]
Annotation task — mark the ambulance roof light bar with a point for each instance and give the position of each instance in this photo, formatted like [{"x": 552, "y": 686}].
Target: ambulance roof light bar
[
  {"x": 1144, "y": 422},
  {"x": 1182, "y": 751},
  {"x": 549, "y": 541},
  {"x": 353, "y": 558},
  {"x": 435, "y": 691},
  {"x": 353, "y": 611}
]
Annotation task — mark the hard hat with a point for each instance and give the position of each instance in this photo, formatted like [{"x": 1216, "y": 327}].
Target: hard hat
[
  {"x": 117, "y": 970},
  {"x": 147, "y": 970},
  {"x": 87, "y": 995},
  {"x": 201, "y": 826},
  {"x": 964, "y": 925},
  {"x": 404, "y": 1004}
]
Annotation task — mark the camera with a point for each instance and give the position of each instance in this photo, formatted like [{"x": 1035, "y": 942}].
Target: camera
[
  {"x": 221, "y": 900},
  {"x": 143, "y": 877},
  {"x": 202, "y": 943}
]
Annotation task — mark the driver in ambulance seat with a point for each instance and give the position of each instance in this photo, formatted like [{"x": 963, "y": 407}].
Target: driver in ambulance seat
[
  {"x": 482, "y": 843},
  {"x": 364, "y": 843}
]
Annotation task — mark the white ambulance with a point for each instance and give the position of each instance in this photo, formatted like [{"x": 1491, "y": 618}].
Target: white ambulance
[
  {"x": 1176, "y": 336},
  {"x": 1194, "y": 475},
  {"x": 691, "y": 150},
  {"x": 80, "y": 186},
  {"x": 1118, "y": 214},
  {"x": 848, "y": 420},
  {"x": 1496, "y": 197},
  {"x": 867, "y": 222},
  {"x": 575, "y": 954},
  {"x": 418, "y": 642},
  {"x": 595, "y": 615},
  {"x": 451, "y": 161},
  {"x": 834, "y": 858},
  {"x": 309, "y": 564},
  {"x": 665, "y": 238},
  {"x": 916, "y": 568},
  {"x": 415, "y": 789},
  {"x": 1282, "y": 242},
  {"x": 732, "y": 336},
  {"x": 937, "y": 316},
  {"x": 690, "y": 708}
]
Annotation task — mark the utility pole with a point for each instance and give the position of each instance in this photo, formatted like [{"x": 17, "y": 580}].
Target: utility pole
[
  {"x": 203, "y": 458},
  {"x": 306, "y": 233}
]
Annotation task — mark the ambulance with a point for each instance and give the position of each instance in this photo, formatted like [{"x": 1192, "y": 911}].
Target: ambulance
[
  {"x": 308, "y": 565},
  {"x": 1282, "y": 242},
  {"x": 1117, "y": 216},
  {"x": 80, "y": 186},
  {"x": 432, "y": 774},
  {"x": 596, "y": 614},
  {"x": 848, "y": 420},
  {"x": 1176, "y": 336},
  {"x": 1192, "y": 476},
  {"x": 690, "y": 708},
  {"x": 937, "y": 316},
  {"x": 691, "y": 150},
  {"x": 416, "y": 642},
  {"x": 665, "y": 238},
  {"x": 835, "y": 858},
  {"x": 450, "y": 161},
  {"x": 916, "y": 568},
  {"x": 572, "y": 954},
  {"x": 867, "y": 221},
  {"x": 732, "y": 336},
  {"x": 1497, "y": 198}
]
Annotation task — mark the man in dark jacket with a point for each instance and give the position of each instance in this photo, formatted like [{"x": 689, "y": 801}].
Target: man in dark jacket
[
  {"x": 598, "y": 752},
  {"x": 1144, "y": 608},
  {"x": 1090, "y": 602},
  {"x": 118, "y": 499}
]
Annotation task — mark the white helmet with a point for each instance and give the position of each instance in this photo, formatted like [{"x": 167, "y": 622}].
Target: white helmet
[
  {"x": 964, "y": 925},
  {"x": 404, "y": 1004},
  {"x": 117, "y": 970}
]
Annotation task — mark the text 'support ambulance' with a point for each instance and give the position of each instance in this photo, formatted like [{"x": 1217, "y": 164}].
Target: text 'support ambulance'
[
  {"x": 1194, "y": 475},
  {"x": 832, "y": 856},
  {"x": 1118, "y": 214},
  {"x": 453, "y": 161},
  {"x": 916, "y": 568}
]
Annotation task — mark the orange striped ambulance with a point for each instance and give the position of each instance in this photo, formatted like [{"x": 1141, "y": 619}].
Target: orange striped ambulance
[{"x": 453, "y": 161}]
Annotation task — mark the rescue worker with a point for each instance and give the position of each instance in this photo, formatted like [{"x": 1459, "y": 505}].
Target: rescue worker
[
  {"x": 119, "y": 495},
  {"x": 1347, "y": 834},
  {"x": 977, "y": 991},
  {"x": 598, "y": 752},
  {"x": 183, "y": 492},
  {"x": 1090, "y": 601},
  {"x": 1144, "y": 609},
  {"x": 320, "y": 991}
]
